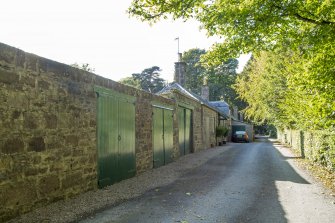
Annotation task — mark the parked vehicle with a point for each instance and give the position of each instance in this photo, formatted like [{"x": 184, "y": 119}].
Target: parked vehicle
[{"x": 240, "y": 136}]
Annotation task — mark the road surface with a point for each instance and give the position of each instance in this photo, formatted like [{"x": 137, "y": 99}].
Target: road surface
[{"x": 249, "y": 182}]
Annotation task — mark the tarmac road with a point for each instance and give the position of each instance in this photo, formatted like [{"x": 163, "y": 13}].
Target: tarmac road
[{"x": 249, "y": 182}]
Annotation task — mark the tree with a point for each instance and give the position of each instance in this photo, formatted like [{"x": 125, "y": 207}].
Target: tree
[
  {"x": 301, "y": 32},
  {"x": 130, "y": 81},
  {"x": 219, "y": 78},
  {"x": 249, "y": 26},
  {"x": 148, "y": 79},
  {"x": 258, "y": 25},
  {"x": 220, "y": 81},
  {"x": 281, "y": 90},
  {"x": 195, "y": 71},
  {"x": 83, "y": 66},
  {"x": 263, "y": 86}
]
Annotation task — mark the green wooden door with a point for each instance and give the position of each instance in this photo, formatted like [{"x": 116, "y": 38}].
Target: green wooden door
[
  {"x": 185, "y": 130},
  {"x": 162, "y": 136},
  {"x": 168, "y": 135},
  {"x": 115, "y": 138},
  {"x": 126, "y": 138},
  {"x": 107, "y": 140},
  {"x": 158, "y": 134},
  {"x": 206, "y": 133},
  {"x": 188, "y": 129}
]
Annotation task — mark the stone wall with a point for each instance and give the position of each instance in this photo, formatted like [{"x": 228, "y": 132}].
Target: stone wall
[
  {"x": 182, "y": 100},
  {"x": 48, "y": 130},
  {"x": 144, "y": 140},
  {"x": 317, "y": 146},
  {"x": 209, "y": 119},
  {"x": 291, "y": 138}
]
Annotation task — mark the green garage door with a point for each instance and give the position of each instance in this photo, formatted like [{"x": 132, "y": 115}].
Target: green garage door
[
  {"x": 115, "y": 137},
  {"x": 168, "y": 135},
  {"x": 184, "y": 123},
  {"x": 162, "y": 136}
]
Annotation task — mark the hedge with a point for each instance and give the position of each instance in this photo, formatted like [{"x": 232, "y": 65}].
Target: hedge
[{"x": 318, "y": 146}]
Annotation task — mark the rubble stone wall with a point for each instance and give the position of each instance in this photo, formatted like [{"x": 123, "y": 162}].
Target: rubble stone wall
[
  {"x": 210, "y": 121},
  {"x": 197, "y": 128},
  {"x": 48, "y": 145}
]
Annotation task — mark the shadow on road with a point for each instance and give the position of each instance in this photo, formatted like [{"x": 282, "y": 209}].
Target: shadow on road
[
  {"x": 239, "y": 185},
  {"x": 271, "y": 167}
]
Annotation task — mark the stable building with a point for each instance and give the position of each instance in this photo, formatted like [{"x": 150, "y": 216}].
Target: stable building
[{"x": 64, "y": 131}]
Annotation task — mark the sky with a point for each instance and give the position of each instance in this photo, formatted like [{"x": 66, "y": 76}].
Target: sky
[{"x": 99, "y": 33}]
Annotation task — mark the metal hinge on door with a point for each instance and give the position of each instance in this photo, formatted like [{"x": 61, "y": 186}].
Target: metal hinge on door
[{"x": 119, "y": 137}]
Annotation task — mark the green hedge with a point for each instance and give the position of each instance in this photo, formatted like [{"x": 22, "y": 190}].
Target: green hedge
[{"x": 318, "y": 146}]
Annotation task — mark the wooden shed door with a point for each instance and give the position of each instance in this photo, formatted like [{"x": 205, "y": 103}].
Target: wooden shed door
[
  {"x": 115, "y": 139},
  {"x": 162, "y": 136},
  {"x": 206, "y": 134},
  {"x": 184, "y": 122},
  {"x": 168, "y": 135}
]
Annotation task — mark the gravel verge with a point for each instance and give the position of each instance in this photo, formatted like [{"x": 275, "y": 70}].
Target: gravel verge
[{"x": 88, "y": 203}]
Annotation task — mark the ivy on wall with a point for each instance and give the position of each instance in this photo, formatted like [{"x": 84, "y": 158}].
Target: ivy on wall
[{"x": 318, "y": 146}]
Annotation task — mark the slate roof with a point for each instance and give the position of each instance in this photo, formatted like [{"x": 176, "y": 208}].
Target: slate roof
[
  {"x": 175, "y": 86},
  {"x": 221, "y": 105}
]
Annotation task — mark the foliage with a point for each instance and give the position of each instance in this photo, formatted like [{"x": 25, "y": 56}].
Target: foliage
[
  {"x": 262, "y": 85},
  {"x": 130, "y": 81},
  {"x": 280, "y": 88},
  {"x": 321, "y": 148},
  {"x": 83, "y": 66},
  {"x": 266, "y": 129},
  {"x": 291, "y": 81},
  {"x": 147, "y": 80},
  {"x": 219, "y": 78},
  {"x": 250, "y": 26},
  {"x": 318, "y": 146},
  {"x": 221, "y": 131},
  {"x": 195, "y": 71}
]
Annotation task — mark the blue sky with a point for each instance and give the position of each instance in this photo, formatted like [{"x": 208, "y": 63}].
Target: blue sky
[{"x": 99, "y": 33}]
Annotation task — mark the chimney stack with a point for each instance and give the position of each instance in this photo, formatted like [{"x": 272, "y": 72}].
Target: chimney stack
[
  {"x": 180, "y": 56},
  {"x": 180, "y": 71},
  {"x": 235, "y": 112},
  {"x": 205, "y": 90}
]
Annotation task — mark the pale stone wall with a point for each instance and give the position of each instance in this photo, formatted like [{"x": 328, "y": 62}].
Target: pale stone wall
[
  {"x": 48, "y": 130},
  {"x": 317, "y": 145},
  {"x": 48, "y": 145},
  {"x": 179, "y": 73},
  {"x": 144, "y": 146},
  {"x": 197, "y": 128},
  {"x": 212, "y": 116}
]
